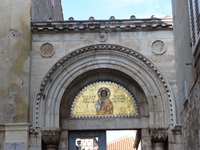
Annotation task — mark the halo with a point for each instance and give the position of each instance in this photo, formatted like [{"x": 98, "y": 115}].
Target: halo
[{"x": 104, "y": 89}]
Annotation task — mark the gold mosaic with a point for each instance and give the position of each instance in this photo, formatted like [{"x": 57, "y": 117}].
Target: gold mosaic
[{"x": 104, "y": 99}]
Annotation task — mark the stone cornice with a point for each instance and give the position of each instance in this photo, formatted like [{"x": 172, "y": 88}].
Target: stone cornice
[
  {"x": 102, "y": 25},
  {"x": 17, "y": 126}
]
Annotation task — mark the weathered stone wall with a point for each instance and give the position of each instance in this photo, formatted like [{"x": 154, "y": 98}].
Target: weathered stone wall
[
  {"x": 44, "y": 10},
  {"x": 183, "y": 51},
  {"x": 190, "y": 119},
  {"x": 14, "y": 60},
  {"x": 2, "y": 137}
]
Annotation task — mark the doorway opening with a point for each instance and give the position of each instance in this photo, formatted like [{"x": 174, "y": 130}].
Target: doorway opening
[
  {"x": 105, "y": 139},
  {"x": 123, "y": 139}
]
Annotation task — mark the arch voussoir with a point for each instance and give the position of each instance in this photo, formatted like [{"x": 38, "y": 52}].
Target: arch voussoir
[{"x": 128, "y": 61}]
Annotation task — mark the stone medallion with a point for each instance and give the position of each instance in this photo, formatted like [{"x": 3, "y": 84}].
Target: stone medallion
[
  {"x": 47, "y": 50},
  {"x": 158, "y": 47},
  {"x": 102, "y": 37}
]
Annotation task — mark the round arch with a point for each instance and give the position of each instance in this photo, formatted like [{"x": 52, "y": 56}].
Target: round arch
[{"x": 104, "y": 56}]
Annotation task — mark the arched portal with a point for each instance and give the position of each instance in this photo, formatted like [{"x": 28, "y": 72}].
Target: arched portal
[{"x": 105, "y": 62}]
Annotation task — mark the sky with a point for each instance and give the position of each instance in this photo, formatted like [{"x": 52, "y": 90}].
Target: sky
[{"x": 120, "y": 9}]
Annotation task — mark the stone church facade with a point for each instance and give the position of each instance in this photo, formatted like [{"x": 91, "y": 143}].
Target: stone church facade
[{"x": 47, "y": 64}]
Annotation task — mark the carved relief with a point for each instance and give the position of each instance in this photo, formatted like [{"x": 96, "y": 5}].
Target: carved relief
[
  {"x": 102, "y": 37},
  {"x": 108, "y": 48},
  {"x": 158, "y": 135},
  {"x": 47, "y": 50},
  {"x": 71, "y": 19},
  {"x": 33, "y": 131},
  {"x": 91, "y": 18},
  {"x": 158, "y": 47},
  {"x": 51, "y": 137},
  {"x": 112, "y": 18},
  {"x": 177, "y": 129}
]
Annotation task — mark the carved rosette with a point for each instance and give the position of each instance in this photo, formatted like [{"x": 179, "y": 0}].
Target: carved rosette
[
  {"x": 51, "y": 136},
  {"x": 102, "y": 37},
  {"x": 158, "y": 135}
]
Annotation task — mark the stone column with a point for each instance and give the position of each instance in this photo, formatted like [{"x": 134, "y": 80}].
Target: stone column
[
  {"x": 159, "y": 146},
  {"x": 145, "y": 140},
  {"x": 175, "y": 138},
  {"x": 63, "y": 140},
  {"x": 34, "y": 139},
  {"x": 51, "y": 137},
  {"x": 158, "y": 138}
]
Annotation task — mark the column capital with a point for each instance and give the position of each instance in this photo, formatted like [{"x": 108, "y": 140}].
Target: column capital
[
  {"x": 158, "y": 135},
  {"x": 177, "y": 129},
  {"x": 50, "y": 136},
  {"x": 33, "y": 132}
]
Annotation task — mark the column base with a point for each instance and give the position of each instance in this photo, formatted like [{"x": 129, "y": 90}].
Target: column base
[
  {"x": 159, "y": 146},
  {"x": 51, "y": 147}
]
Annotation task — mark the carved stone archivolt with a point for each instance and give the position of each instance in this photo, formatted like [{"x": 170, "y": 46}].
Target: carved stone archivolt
[
  {"x": 110, "y": 52},
  {"x": 158, "y": 135},
  {"x": 51, "y": 136}
]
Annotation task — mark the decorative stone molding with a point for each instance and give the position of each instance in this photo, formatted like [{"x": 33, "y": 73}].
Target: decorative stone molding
[
  {"x": 133, "y": 17},
  {"x": 112, "y": 18},
  {"x": 102, "y": 37},
  {"x": 91, "y": 18},
  {"x": 51, "y": 136},
  {"x": 158, "y": 47},
  {"x": 177, "y": 129},
  {"x": 107, "y": 50},
  {"x": 47, "y": 50},
  {"x": 158, "y": 135},
  {"x": 71, "y": 19},
  {"x": 33, "y": 135},
  {"x": 113, "y": 25},
  {"x": 33, "y": 132}
]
